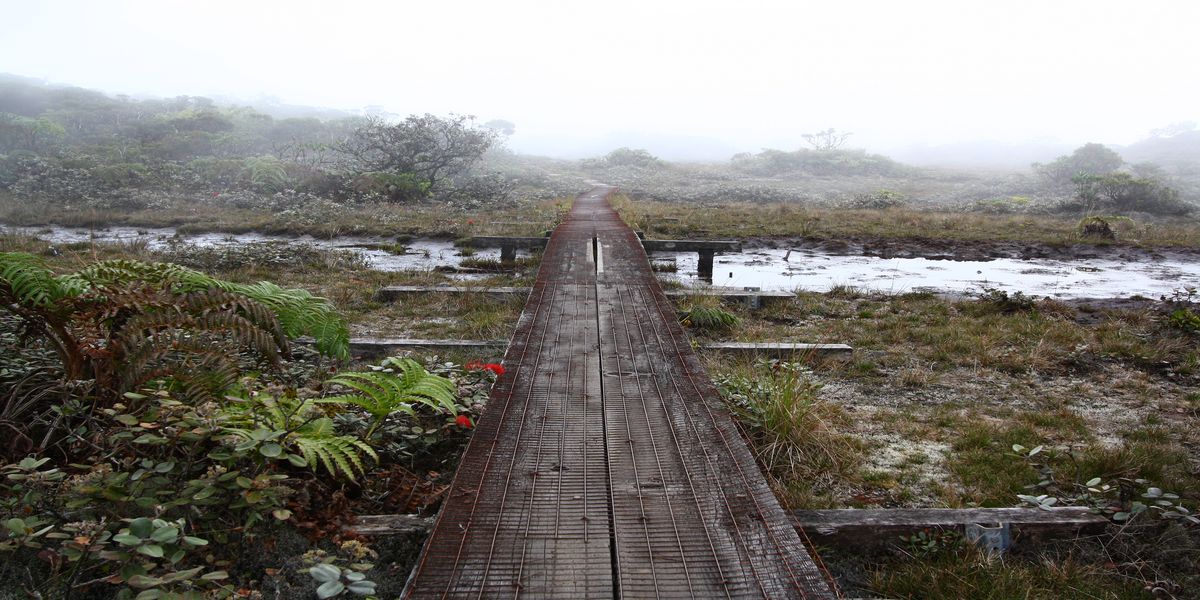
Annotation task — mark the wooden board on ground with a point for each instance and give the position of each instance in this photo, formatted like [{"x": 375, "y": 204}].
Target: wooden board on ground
[
  {"x": 849, "y": 527},
  {"x": 392, "y": 292},
  {"x": 372, "y": 347}
]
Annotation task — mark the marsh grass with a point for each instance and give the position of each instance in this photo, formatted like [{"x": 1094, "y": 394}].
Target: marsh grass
[
  {"x": 981, "y": 460},
  {"x": 497, "y": 265},
  {"x": 924, "y": 335},
  {"x": 704, "y": 317},
  {"x": 201, "y": 214},
  {"x": 966, "y": 573},
  {"x": 671, "y": 220},
  {"x": 794, "y": 434}
]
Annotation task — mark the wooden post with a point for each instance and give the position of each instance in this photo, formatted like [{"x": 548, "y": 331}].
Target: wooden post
[
  {"x": 705, "y": 268},
  {"x": 508, "y": 253}
]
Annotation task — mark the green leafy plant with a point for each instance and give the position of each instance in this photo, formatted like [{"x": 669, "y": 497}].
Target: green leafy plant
[
  {"x": 343, "y": 572},
  {"x": 123, "y": 323},
  {"x": 335, "y": 581},
  {"x": 1181, "y": 310},
  {"x": 933, "y": 542},
  {"x": 396, "y": 385},
  {"x": 1000, "y": 301},
  {"x": 290, "y": 428},
  {"x": 170, "y": 458},
  {"x": 1122, "y": 499}
]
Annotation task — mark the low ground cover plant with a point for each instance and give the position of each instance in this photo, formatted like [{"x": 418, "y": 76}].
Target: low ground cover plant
[{"x": 208, "y": 469}]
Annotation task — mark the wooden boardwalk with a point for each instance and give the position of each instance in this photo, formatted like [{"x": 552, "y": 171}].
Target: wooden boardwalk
[{"x": 605, "y": 466}]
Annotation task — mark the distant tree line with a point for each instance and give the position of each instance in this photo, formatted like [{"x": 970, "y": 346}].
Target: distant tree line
[{"x": 73, "y": 143}]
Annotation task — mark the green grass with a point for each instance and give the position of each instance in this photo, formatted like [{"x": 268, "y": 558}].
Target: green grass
[
  {"x": 795, "y": 435},
  {"x": 967, "y": 574},
  {"x": 981, "y": 459}
]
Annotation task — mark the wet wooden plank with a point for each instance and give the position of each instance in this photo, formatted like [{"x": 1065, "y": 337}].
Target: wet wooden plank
[
  {"x": 371, "y": 347},
  {"x": 392, "y": 292},
  {"x": 493, "y": 241},
  {"x": 692, "y": 245},
  {"x": 854, "y": 526},
  {"x": 780, "y": 349},
  {"x": 849, "y": 527}
]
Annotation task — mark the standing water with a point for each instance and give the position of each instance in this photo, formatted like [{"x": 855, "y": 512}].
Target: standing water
[
  {"x": 820, "y": 271},
  {"x": 768, "y": 269},
  {"x": 419, "y": 254}
]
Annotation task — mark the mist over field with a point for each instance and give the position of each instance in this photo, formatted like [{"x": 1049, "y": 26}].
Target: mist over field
[{"x": 960, "y": 83}]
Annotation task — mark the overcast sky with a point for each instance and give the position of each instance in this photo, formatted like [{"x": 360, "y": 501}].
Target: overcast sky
[{"x": 750, "y": 74}]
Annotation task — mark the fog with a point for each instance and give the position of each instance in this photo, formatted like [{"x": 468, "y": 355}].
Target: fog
[{"x": 956, "y": 81}]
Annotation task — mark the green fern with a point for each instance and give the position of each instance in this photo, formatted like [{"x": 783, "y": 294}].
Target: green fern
[
  {"x": 25, "y": 280},
  {"x": 265, "y": 172},
  {"x": 299, "y": 312},
  {"x": 399, "y": 384},
  {"x": 292, "y": 423},
  {"x": 120, "y": 323}
]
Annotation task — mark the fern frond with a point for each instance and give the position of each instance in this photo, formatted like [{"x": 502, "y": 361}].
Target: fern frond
[
  {"x": 298, "y": 312},
  {"x": 24, "y": 279}
]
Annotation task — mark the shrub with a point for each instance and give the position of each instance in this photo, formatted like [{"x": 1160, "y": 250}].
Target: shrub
[
  {"x": 394, "y": 187},
  {"x": 1122, "y": 192},
  {"x": 880, "y": 200}
]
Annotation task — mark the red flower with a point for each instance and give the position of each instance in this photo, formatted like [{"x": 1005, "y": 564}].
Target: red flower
[
  {"x": 215, "y": 194},
  {"x": 470, "y": 221},
  {"x": 464, "y": 421},
  {"x": 478, "y": 365}
]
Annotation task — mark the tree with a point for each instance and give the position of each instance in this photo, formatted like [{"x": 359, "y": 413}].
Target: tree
[
  {"x": 1122, "y": 192},
  {"x": 501, "y": 126},
  {"x": 1089, "y": 159},
  {"x": 24, "y": 133},
  {"x": 630, "y": 157},
  {"x": 428, "y": 150},
  {"x": 827, "y": 140}
]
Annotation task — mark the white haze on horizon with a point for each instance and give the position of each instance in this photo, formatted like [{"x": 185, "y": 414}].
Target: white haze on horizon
[{"x": 685, "y": 79}]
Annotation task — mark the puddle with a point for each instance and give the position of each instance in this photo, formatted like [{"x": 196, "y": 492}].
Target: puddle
[
  {"x": 811, "y": 270},
  {"x": 422, "y": 254},
  {"x": 817, "y": 271}
]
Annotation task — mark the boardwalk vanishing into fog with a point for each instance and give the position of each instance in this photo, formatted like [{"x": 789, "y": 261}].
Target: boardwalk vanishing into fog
[{"x": 605, "y": 465}]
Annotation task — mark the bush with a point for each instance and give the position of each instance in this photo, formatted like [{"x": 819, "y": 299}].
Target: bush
[
  {"x": 880, "y": 200},
  {"x": 823, "y": 163},
  {"x": 393, "y": 187}
]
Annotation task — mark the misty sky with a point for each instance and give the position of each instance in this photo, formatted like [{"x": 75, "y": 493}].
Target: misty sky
[{"x": 750, "y": 74}]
